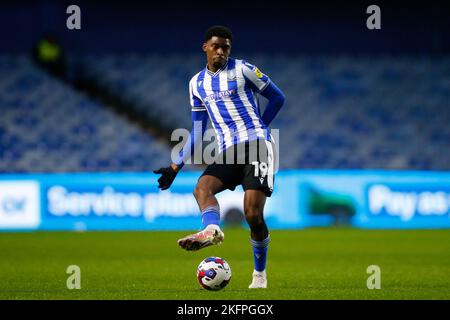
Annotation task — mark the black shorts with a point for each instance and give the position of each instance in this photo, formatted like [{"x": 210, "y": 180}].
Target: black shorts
[{"x": 250, "y": 164}]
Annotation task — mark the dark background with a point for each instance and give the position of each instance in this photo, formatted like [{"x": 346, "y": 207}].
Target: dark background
[{"x": 264, "y": 26}]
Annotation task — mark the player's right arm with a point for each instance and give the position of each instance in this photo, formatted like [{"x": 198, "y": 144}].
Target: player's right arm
[
  {"x": 199, "y": 124},
  {"x": 168, "y": 174}
]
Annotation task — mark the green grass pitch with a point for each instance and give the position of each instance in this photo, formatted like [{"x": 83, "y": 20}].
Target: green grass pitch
[{"x": 303, "y": 264}]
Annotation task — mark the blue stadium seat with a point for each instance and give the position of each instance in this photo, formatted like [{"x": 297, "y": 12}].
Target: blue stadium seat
[
  {"x": 46, "y": 126},
  {"x": 341, "y": 112}
]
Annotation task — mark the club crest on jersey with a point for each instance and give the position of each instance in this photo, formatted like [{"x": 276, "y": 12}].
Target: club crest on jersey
[{"x": 231, "y": 74}]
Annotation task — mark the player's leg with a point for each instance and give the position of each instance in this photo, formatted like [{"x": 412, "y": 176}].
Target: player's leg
[
  {"x": 254, "y": 201},
  {"x": 205, "y": 194},
  {"x": 258, "y": 185},
  {"x": 206, "y": 189}
]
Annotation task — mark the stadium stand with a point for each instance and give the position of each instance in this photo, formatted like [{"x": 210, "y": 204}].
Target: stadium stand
[
  {"x": 341, "y": 111},
  {"x": 47, "y": 126}
]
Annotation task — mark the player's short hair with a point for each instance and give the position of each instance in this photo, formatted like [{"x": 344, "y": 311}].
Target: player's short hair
[{"x": 218, "y": 31}]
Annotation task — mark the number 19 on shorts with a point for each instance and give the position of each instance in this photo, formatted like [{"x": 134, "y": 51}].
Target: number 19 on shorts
[{"x": 260, "y": 167}]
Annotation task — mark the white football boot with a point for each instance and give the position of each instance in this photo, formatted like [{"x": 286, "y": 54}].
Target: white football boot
[
  {"x": 259, "y": 280},
  {"x": 207, "y": 237}
]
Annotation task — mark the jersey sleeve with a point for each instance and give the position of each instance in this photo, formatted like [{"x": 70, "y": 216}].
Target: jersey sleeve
[
  {"x": 252, "y": 74},
  {"x": 199, "y": 125},
  {"x": 194, "y": 98}
]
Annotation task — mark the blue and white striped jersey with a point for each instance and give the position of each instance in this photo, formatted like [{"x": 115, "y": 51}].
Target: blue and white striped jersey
[{"x": 230, "y": 96}]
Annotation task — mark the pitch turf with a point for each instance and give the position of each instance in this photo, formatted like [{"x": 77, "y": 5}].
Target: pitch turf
[{"x": 303, "y": 264}]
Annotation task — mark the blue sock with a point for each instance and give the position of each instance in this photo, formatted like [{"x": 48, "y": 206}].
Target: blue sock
[
  {"x": 211, "y": 215},
  {"x": 260, "y": 253}
]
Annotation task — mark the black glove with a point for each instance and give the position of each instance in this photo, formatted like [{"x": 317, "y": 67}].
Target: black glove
[{"x": 167, "y": 177}]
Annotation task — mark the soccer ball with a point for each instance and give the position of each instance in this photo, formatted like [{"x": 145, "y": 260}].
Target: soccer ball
[{"x": 213, "y": 273}]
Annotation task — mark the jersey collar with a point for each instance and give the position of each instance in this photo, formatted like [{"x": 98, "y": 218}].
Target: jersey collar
[{"x": 213, "y": 74}]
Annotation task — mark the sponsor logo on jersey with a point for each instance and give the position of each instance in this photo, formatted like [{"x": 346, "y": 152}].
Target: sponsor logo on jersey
[{"x": 219, "y": 95}]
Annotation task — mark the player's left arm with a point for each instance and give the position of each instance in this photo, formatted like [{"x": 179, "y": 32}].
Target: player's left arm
[
  {"x": 276, "y": 100},
  {"x": 264, "y": 86}
]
